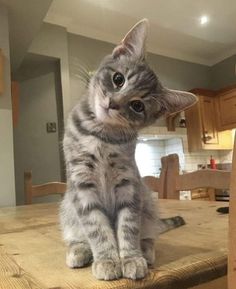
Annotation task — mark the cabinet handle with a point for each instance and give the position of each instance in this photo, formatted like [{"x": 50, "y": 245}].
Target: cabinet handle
[{"x": 206, "y": 138}]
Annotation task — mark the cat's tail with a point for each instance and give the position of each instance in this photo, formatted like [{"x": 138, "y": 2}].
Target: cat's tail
[
  {"x": 168, "y": 224},
  {"x": 223, "y": 210}
]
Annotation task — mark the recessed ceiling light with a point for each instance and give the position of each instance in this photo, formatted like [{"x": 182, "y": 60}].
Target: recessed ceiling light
[{"x": 204, "y": 19}]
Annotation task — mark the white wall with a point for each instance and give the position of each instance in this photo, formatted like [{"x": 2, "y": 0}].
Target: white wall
[{"x": 7, "y": 179}]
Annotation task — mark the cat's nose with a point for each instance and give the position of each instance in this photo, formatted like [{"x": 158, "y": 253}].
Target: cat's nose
[{"x": 113, "y": 105}]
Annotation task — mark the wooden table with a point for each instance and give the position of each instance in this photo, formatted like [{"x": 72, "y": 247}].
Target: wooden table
[{"x": 32, "y": 254}]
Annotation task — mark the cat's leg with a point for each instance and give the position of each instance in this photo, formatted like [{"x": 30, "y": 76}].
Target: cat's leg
[
  {"x": 134, "y": 265},
  {"x": 101, "y": 238},
  {"x": 148, "y": 250},
  {"x": 149, "y": 225},
  {"x": 128, "y": 226},
  {"x": 78, "y": 253},
  {"x": 99, "y": 234}
]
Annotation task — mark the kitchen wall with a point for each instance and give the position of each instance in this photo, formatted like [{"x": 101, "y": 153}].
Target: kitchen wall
[
  {"x": 84, "y": 53},
  {"x": 7, "y": 180},
  {"x": 223, "y": 73},
  {"x": 148, "y": 156},
  {"x": 35, "y": 149},
  {"x": 149, "y": 153},
  {"x": 52, "y": 41}
]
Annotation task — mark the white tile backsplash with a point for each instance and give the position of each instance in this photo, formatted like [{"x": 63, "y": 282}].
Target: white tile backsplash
[{"x": 149, "y": 153}]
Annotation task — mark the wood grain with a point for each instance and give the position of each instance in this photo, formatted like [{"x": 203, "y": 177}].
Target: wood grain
[
  {"x": 13, "y": 276},
  {"x": 32, "y": 250},
  {"x": 220, "y": 283}
]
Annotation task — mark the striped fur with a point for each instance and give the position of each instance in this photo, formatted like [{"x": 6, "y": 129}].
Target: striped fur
[{"x": 108, "y": 215}]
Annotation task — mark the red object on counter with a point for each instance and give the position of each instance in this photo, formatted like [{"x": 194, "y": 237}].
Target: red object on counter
[{"x": 212, "y": 163}]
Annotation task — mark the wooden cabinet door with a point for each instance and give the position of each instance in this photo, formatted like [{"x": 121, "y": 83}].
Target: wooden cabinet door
[
  {"x": 208, "y": 117},
  {"x": 227, "y": 110}
]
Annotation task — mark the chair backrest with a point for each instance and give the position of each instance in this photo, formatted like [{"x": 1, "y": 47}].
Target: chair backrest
[
  {"x": 158, "y": 184},
  {"x": 174, "y": 182},
  {"x": 41, "y": 190}
]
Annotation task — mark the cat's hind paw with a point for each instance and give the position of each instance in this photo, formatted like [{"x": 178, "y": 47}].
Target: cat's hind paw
[
  {"x": 107, "y": 269},
  {"x": 134, "y": 268}
]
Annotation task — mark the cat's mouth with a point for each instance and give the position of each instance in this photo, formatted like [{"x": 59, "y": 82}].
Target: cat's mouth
[
  {"x": 107, "y": 113},
  {"x": 110, "y": 116},
  {"x": 110, "y": 112}
]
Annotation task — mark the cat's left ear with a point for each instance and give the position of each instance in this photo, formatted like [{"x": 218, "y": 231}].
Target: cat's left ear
[
  {"x": 175, "y": 100},
  {"x": 134, "y": 42}
]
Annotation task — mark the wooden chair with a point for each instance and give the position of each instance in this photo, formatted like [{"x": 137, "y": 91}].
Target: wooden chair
[
  {"x": 213, "y": 179},
  {"x": 41, "y": 190},
  {"x": 158, "y": 184},
  {"x": 174, "y": 182}
]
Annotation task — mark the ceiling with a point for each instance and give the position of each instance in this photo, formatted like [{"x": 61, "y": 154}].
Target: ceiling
[
  {"x": 175, "y": 29},
  {"x": 25, "y": 20}
]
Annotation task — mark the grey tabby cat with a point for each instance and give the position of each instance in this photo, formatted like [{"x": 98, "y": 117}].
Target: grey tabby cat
[{"x": 108, "y": 215}]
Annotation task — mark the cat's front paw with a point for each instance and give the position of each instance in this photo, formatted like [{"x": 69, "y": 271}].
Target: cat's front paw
[
  {"x": 78, "y": 256},
  {"x": 134, "y": 268},
  {"x": 107, "y": 269}
]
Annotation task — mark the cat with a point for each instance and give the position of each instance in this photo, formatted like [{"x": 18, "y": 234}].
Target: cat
[
  {"x": 108, "y": 216},
  {"x": 223, "y": 210}
]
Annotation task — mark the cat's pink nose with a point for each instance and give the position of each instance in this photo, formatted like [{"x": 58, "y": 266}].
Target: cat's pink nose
[{"x": 113, "y": 105}]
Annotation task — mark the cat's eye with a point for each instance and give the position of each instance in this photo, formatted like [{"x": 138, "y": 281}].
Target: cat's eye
[
  {"x": 137, "y": 106},
  {"x": 118, "y": 79}
]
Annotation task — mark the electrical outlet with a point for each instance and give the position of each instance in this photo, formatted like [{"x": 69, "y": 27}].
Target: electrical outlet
[{"x": 51, "y": 127}]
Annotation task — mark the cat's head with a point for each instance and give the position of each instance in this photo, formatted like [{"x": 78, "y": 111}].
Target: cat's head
[{"x": 126, "y": 92}]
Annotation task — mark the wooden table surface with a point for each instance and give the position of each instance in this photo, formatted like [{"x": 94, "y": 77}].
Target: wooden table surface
[{"x": 32, "y": 254}]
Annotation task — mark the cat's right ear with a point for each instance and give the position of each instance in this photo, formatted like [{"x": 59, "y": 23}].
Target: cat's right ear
[{"x": 134, "y": 42}]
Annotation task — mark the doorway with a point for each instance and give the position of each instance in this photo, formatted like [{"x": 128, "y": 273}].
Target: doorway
[{"x": 39, "y": 129}]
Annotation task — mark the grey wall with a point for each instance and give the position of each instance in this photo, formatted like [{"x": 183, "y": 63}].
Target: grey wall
[
  {"x": 35, "y": 149},
  {"x": 52, "y": 41},
  {"x": 84, "y": 52},
  {"x": 7, "y": 181},
  {"x": 223, "y": 73},
  {"x": 178, "y": 74}
]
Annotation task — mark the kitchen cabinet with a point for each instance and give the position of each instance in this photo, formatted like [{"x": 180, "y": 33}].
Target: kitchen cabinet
[
  {"x": 226, "y": 109},
  {"x": 202, "y": 124},
  {"x": 207, "y": 194}
]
